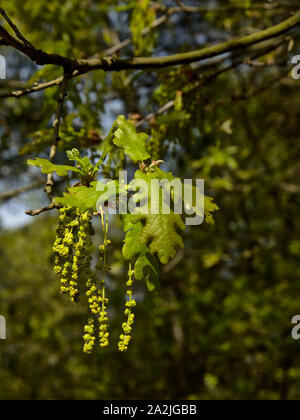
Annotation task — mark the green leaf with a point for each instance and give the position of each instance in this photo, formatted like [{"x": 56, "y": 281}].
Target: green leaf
[
  {"x": 145, "y": 262},
  {"x": 128, "y": 139},
  {"x": 84, "y": 162},
  {"x": 90, "y": 198},
  {"x": 48, "y": 167},
  {"x": 160, "y": 232},
  {"x": 74, "y": 155},
  {"x": 107, "y": 146},
  {"x": 146, "y": 266},
  {"x": 84, "y": 198},
  {"x": 126, "y": 220},
  {"x": 132, "y": 243}
]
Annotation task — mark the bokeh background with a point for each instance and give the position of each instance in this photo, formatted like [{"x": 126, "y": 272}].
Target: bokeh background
[{"x": 219, "y": 324}]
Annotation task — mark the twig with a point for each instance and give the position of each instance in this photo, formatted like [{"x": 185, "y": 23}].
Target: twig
[
  {"x": 157, "y": 22},
  {"x": 34, "y": 88},
  {"x": 56, "y": 127},
  {"x": 14, "y": 28},
  {"x": 51, "y": 206}
]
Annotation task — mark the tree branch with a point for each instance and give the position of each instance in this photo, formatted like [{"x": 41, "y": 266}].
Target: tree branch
[
  {"x": 169, "y": 11},
  {"x": 113, "y": 64},
  {"x": 226, "y": 9},
  {"x": 38, "y": 56}
]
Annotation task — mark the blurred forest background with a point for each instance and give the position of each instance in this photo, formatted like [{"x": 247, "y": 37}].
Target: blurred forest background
[{"x": 219, "y": 327}]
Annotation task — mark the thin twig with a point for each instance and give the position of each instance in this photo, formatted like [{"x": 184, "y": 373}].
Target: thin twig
[
  {"x": 56, "y": 127},
  {"x": 51, "y": 206},
  {"x": 157, "y": 22},
  {"x": 34, "y": 88},
  {"x": 14, "y": 28}
]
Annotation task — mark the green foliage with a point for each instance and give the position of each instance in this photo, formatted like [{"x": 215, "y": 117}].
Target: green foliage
[
  {"x": 84, "y": 163},
  {"x": 146, "y": 266},
  {"x": 128, "y": 139},
  {"x": 48, "y": 167},
  {"x": 84, "y": 198},
  {"x": 160, "y": 230},
  {"x": 146, "y": 235},
  {"x": 218, "y": 324},
  {"x": 132, "y": 243}
]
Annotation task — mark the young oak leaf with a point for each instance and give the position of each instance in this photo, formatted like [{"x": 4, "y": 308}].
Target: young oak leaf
[
  {"x": 146, "y": 266},
  {"x": 132, "y": 244},
  {"x": 160, "y": 231},
  {"x": 84, "y": 198},
  {"x": 128, "y": 139},
  {"x": 84, "y": 162},
  {"x": 48, "y": 167}
]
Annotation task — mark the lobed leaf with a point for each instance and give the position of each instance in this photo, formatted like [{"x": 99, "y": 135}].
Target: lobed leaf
[
  {"x": 84, "y": 198},
  {"x": 128, "y": 139},
  {"x": 48, "y": 167}
]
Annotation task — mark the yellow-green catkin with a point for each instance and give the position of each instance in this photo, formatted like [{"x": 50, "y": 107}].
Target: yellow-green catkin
[
  {"x": 71, "y": 249},
  {"x": 103, "y": 300},
  {"x": 97, "y": 299},
  {"x": 73, "y": 260},
  {"x": 130, "y": 304},
  {"x": 81, "y": 256},
  {"x": 63, "y": 248},
  {"x": 89, "y": 336}
]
